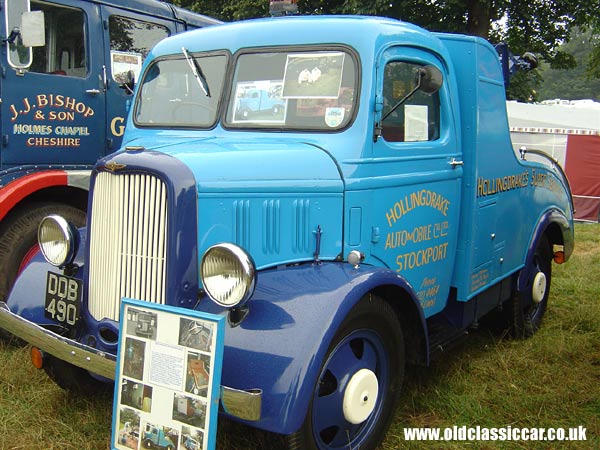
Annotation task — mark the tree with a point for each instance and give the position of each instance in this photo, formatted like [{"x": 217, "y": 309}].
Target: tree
[
  {"x": 593, "y": 66},
  {"x": 576, "y": 83},
  {"x": 594, "y": 61},
  {"x": 526, "y": 25},
  {"x": 538, "y": 26},
  {"x": 227, "y": 10}
]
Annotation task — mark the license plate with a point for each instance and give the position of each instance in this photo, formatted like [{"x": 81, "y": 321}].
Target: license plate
[{"x": 63, "y": 298}]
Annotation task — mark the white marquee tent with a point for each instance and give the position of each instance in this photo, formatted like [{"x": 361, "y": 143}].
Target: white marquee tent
[{"x": 570, "y": 132}]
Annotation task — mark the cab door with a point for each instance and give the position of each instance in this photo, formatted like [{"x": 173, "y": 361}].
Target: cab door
[
  {"x": 417, "y": 160},
  {"x": 130, "y": 38},
  {"x": 53, "y": 111}
]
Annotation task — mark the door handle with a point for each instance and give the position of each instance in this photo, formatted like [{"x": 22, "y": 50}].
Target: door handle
[
  {"x": 455, "y": 162},
  {"x": 92, "y": 91}
]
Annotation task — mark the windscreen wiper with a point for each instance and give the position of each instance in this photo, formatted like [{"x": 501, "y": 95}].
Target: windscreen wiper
[{"x": 197, "y": 71}]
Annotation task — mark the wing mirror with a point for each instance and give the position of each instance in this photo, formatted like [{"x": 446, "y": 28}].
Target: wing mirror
[
  {"x": 27, "y": 30},
  {"x": 429, "y": 79}
]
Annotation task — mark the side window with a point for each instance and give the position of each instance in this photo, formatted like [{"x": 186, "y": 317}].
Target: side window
[
  {"x": 412, "y": 118},
  {"x": 65, "y": 49},
  {"x": 130, "y": 41}
]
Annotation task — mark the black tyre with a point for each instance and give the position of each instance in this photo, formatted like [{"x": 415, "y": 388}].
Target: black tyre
[
  {"x": 529, "y": 306},
  {"x": 148, "y": 443},
  {"x": 74, "y": 379},
  {"x": 18, "y": 242},
  {"x": 359, "y": 384}
]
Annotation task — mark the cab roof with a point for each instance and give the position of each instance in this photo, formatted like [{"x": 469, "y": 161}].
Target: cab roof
[
  {"x": 363, "y": 33},
  {"x": 159, "y": 8}
]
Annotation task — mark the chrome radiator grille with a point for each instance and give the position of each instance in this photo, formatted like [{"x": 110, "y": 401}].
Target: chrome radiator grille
[{"x": 127, "y": 239}]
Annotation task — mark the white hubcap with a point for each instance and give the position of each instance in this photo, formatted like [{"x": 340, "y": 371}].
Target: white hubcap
[
  {"x": 360, "y": 396},
  {"x": 539, "y": 287}
]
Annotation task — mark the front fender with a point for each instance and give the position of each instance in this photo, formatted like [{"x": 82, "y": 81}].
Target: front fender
[
  {"x": 282, "y": 344},
  {"x": 28, "y": 295}
]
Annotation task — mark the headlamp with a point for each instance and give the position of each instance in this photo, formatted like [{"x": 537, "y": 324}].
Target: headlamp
[
  {"x": 228, "y": 274},
  {"x": 58, "y": 240}
]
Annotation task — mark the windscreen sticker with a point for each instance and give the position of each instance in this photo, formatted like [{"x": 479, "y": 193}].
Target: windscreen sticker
[
  {"x": 123, "y": 62},
  {"x": 415, "y": 123},
  {"x": 313, "y": 75},
  {"x": 334, "y": 116},
  {"x": 259, "y": 102}
]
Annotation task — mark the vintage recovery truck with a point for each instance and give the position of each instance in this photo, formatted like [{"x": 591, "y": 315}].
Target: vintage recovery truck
[
  {"x": 364, "y": 227},
  {"x": 66, "y": 70}
]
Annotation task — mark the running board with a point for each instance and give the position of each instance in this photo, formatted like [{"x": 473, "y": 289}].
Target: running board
[{"x": 443, "y": 338}]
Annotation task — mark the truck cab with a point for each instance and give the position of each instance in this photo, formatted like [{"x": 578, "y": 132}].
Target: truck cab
[
  {"x": 156, "y": 437},
  {"x": 365, "y": 227},
  {"x": 69, "y": 68},
  {"x": 259, "y": 101}
]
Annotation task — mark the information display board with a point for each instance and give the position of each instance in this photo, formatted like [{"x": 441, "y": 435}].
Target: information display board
[{"x": 168, "y": 378}]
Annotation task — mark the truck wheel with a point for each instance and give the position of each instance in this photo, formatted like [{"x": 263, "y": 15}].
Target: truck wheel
[
  {"x": 359, "y": 383},
  {"x": 18, "y": 240},
  {"x": 529, "y": 306},
  {"x": 72, "y": 378},
  {"x": 148, "y": 443}
]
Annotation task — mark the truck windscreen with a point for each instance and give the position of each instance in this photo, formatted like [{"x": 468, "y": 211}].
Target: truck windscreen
[
  {"x": 171, "y": 96},
  {"x": 312, "y": 89}
]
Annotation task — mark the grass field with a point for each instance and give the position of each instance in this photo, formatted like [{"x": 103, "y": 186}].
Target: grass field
[{"x": 551, "y": 380}]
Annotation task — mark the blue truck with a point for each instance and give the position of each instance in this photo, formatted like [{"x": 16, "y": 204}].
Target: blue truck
[
  {"x": 155, "y": 437},
  {"x": 65, "y": 86},
  {"x": 381, "y": 218},
  {"x": 259, "y": 101}
]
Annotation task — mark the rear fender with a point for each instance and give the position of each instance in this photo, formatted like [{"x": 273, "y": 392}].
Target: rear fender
[
  {"x": 559, "y": 230},
  {"x": 293, "y": 316}
]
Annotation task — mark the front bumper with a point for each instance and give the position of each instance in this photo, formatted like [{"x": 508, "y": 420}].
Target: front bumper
[{"x": 243, "y": 404}]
